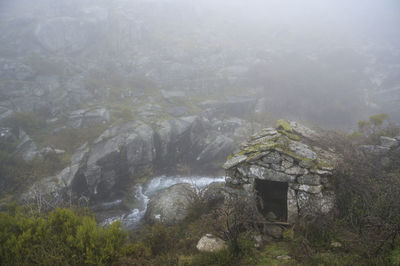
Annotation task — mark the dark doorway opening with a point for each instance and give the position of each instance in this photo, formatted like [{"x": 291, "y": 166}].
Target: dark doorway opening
[{"x": 272, "y": 199}]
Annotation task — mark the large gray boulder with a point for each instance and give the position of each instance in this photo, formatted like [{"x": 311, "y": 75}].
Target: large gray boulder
[
  {"x": 210, "y": 243},
  {"x": 216, "y": 150},
  {"x": 172, "y": 134},
  {"x": 120, "y": 152},
  {"x": 389, "y": 142},
  {"x": 88, "y": 117},
  {"x": 172, "y": 96},
  {"x": 27, "y": 147},
  {"x": 56, "y": 185},
  {"x": 171, "y": 205}
]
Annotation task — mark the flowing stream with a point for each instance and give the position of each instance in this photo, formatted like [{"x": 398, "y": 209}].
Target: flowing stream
[{"x": 144, "y": 192}]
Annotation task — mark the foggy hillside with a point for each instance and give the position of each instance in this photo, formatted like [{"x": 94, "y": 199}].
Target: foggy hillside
[
  {"x": 340, "y": 58},
  {"x": 199, "y": 132}
]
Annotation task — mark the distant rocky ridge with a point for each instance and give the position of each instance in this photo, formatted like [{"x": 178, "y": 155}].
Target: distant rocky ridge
[
  {"x": 60, "y": 56},
  {"x": 386, "y": 145}
]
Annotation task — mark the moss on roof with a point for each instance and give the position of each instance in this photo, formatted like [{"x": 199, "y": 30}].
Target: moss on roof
[{"x": 280, "y": 140}]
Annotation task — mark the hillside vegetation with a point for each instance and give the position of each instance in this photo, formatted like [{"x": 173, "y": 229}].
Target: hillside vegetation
[{"x": 363, "y": 230}]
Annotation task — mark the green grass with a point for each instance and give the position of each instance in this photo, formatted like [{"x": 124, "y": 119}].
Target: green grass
[{"x": 269, "y": 254}]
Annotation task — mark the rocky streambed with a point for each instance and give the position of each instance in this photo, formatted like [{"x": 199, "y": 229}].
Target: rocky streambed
[{"x": 166, "y": 186}]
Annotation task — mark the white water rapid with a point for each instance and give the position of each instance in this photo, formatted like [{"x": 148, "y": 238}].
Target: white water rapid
[{"x": 144, "y": 192}]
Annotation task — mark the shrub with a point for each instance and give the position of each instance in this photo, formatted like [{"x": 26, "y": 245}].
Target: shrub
[
  {"x": 222, "y": 257},
  {"x": 161, "y": 239},
  {"x": 368, "y": 195},
  {"x": 60, "y": 238},
  {"x": 377, "y": 125},
  {"x": 30, "y": 122}
]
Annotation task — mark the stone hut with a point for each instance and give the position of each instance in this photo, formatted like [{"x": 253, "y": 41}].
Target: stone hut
[{"x": 287, "y": 169}]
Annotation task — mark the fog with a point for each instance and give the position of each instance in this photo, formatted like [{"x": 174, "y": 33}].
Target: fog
[
  {"x": 327, "y": 63},
  {"x": 273, "y": 124}
]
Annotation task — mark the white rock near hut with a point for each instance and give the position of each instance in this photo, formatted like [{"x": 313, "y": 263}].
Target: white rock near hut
[{"x": 211, "y": 243}]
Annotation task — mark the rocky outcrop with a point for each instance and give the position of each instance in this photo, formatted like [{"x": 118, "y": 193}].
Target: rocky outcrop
[
  {"x": 118, "y": 153},
  {"x": 171, "y": 205},
  {"x": 386, "y": 144},
  {"x": 26, "y": 147},
  {"x": 88, "y": 117},
  {"x": 288, "y": 154},
  {"x": 123, "y": 154}
]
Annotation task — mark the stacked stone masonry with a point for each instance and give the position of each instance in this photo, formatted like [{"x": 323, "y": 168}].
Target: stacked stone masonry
[{"x": 289, "y": 153}]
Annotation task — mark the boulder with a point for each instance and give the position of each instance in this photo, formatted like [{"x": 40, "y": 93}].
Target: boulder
[
  {"x": 210, "y": 243},
  {"x": 374, "y": 149},
  {"x": 57, "y": 184},
  {"x": 283, "y": 257},
  {"x": 172, "y": 135},
  {"x": 216, "y": 150},
  {"x": 275, "y": 231},
  {"x": 336, "y": 244},
  {"x": 119, "y": 152},
  {"x": 215, "y": 193},
  {"x": 88, "y": 117},
  {"x": 50, "y": 150},
  {"x": 388, "y": 142},
  {"x": 226, "y": 126},
  {"x": 177, "y": 111},
  {"x": 27, "y": 147},
  {"x": 173, "y": 95},
  {"x": 171, "y": 205}
]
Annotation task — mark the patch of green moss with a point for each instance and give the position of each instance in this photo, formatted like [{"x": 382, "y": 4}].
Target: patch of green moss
[
  {"x": 284, "y": 128},
  {"x": 330, "y": 258},
  {"x": 280, "y": 143},
  {"x": 283, "y": 125},
  {"x": 291, "y": 136},
  {"x": 252, "y": 156},
  {"x": 318, "y": 164},
  {"x": 272, "y": 251}
]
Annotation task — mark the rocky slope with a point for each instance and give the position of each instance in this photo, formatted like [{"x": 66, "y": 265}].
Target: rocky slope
[
  {"x": 122, "y": 155},
  {"x": 60, "y": 57}
]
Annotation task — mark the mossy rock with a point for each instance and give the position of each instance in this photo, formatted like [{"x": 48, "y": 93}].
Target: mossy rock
[{"x": 283, "y": 126}]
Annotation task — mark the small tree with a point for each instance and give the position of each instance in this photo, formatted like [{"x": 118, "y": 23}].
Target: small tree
[{"x": 237, "y": 215}]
